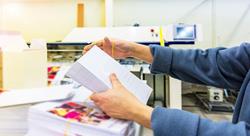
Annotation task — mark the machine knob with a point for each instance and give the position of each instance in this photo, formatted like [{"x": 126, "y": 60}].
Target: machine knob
[{"x": 216, "y": 97}]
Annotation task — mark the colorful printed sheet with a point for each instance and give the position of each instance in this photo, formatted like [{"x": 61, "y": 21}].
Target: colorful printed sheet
[{"x": 80, "y": 112}]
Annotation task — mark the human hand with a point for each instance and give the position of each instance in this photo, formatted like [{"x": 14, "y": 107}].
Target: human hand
[
  {"x": 118, "y": 49},
  {"x": 119, "y": 103},
  {"x": 116, "y": 102}
]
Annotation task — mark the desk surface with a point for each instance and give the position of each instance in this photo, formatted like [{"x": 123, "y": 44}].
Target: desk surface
[{"x": 13, "y": 121}]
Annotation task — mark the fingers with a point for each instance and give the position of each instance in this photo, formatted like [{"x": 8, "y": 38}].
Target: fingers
[
  {"x": 107, "y": 44},
  {"x": 87, "y": 48},
  {"x": 107, "y": 41},
  {"x": 95, "y": 97},
  {"x": 99, "y": 43},
  {"x": 99, "y": 98},
  {"x": 114, "y": 80},
  {"x": 84, "y": 51}
]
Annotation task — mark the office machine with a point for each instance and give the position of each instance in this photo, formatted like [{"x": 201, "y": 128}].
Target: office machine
[
  {"x": 175, "y": 36},
  {"x": 215, "y": 94},
  {"x": 213, "y": 100},
  {"x": 142, "y": 34},
  {"x": 184, "y": 32}
]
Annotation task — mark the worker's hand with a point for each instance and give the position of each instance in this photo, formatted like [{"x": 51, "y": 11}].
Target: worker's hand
[
  {"x": 121, "y": 49},
  {"x": 116, "y": 102},
  {"x": 119, "y": 103}
]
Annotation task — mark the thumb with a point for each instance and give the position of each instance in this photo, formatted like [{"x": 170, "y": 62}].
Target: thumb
[
  {"x": 114, "y": 80},
  {"x": 95, "y": 97},
  {"x": 107, "y": 41}
]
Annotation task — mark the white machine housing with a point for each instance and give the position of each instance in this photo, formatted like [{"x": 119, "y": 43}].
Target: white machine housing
[
  {"x": 144, "y": 34},
  {"x": 141, "y": 34},
  {"x": 215, "y": 94}
]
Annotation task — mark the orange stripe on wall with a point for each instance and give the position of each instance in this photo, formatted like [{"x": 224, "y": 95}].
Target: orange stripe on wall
[{"x": 80, "y": 15}]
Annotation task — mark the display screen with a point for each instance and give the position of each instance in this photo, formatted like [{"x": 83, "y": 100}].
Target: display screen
[{"x": 184, "y": 32}]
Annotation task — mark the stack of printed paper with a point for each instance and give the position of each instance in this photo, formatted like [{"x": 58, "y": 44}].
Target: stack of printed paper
[
  {"x": 74, "y": 119},
  {"x": 85, "y": 119}
]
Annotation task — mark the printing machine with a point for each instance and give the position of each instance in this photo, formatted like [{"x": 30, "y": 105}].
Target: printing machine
[{"x": 167, "y": 90}]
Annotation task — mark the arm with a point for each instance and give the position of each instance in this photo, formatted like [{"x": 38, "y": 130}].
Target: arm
[
  {"x": 164, "y": 122},
  {"x": 141, "y": 52},
  {"x": 122, "y": 49},
  {"x": 218, "y": 67},
  {"x": 170, "y": 122}
]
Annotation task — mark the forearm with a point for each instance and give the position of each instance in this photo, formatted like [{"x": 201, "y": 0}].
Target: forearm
[
  {"x": 141, "y": 52},
  {"x": 142, "y": 115},
  {"x": 220, "y": 67},
  {"x": 173, "y": 122}
]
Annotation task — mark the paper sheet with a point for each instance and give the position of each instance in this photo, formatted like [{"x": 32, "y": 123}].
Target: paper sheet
[
  {"x": 93, "y": 71},
  {"x": 75, "y": 118},
  {"x": 25, "y": 96}
]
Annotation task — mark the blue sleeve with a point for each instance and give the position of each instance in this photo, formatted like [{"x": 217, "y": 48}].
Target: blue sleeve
[
  {"x": 171, "y": 122},
  {"x": 220, "y": 67}
]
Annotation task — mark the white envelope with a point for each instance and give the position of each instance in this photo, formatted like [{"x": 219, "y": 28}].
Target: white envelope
[{"x": 93, "y": 69}]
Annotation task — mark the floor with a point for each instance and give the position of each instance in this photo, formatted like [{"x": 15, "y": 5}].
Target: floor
[{"x": 189, "y": 104}]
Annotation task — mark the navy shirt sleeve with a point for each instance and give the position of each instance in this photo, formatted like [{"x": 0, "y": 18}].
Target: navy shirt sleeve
[
  {"x": 220, "y": 67},
  {"x": 173, "y": 122}
]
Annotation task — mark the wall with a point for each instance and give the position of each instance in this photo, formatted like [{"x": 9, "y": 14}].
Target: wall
[
  {"x": 54, "y": 19},
  {"x": 233, "y": 20},
  {"x": 47, "y": 19},
  {"x": 163, "y": 12},
  {"x": 220, "y": 27}
]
